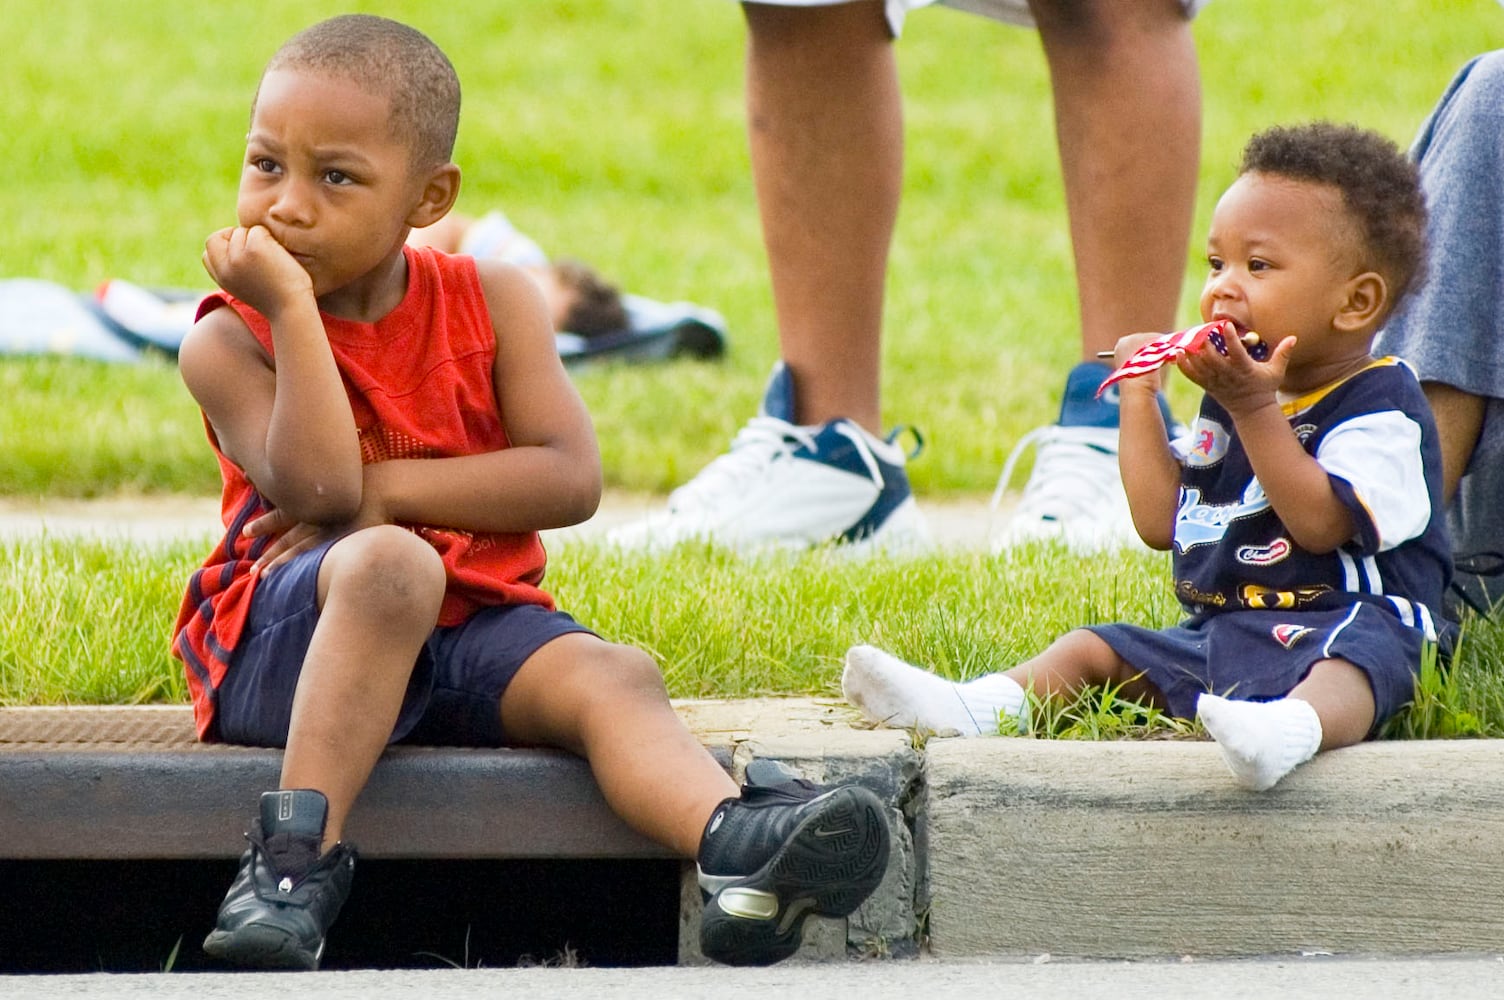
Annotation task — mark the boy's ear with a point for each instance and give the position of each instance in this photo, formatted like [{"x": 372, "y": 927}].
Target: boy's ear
[
  {"x": 1367, "y": 296},
  {"x": 439, "y": 192}
]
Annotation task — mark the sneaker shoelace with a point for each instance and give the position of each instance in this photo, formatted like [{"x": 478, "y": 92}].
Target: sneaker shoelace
[
  {"x": 1075, "y": 475},
  {"x": 762, "y": 441},
  {"x": 290, "y": 856}
]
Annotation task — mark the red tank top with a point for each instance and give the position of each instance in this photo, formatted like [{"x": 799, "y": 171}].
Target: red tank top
[{"x": 420, "y": 385}]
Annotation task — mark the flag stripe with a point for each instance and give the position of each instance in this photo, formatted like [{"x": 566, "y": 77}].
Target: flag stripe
[{"x": 1161, "y": 351}]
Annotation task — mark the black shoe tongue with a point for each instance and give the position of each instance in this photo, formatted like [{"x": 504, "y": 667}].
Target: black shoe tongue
[
  {"x": 292, "y": 828},
  {"x": 767, "y": 771},
  {"x": 794, "y": 791},
  {"x": 293, "y": 811},
  {"x": 769, "y": 780}
]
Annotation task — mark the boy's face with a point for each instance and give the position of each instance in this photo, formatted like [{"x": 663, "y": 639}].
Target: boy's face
[
  {"x": 1281, "y": 253},
  {"x": 325, "y": 174}
]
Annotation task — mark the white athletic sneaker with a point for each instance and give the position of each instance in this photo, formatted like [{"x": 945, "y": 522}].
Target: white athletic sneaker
[
  {"x": 782, "y": 485},
  {"x": 1075, "y": 493}
]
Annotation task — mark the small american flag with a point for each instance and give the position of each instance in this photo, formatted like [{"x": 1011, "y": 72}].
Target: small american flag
[{"x": 1162, "y": 350}]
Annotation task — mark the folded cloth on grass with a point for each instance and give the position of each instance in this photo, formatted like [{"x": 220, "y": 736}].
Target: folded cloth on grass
[{"x": 39, "y": 317}]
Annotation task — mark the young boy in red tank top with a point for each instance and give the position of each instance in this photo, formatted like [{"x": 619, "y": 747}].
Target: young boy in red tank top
[{"x": 379, "y": 578}]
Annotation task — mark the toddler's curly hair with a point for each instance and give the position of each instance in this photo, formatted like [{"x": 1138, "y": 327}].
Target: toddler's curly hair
[{"x": 1380, "y": 187}]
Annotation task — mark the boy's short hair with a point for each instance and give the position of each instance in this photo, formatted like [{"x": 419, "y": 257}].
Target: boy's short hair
[
  {"x": 597, "y": 307},
  {"x": 1380, "y": 188},
  {"x": 386, "y": 57}
]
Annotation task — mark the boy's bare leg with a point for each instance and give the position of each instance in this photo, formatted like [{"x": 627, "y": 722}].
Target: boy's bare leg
[
  {"x": 608, "y": 704},
  {"x": 1128, "y": 123},
  {"x": 767, "y": 857},
  {"x": 379, "y": 592},
  {"x": 824, "y": 123},
  {"x": 379, "y": 595}
]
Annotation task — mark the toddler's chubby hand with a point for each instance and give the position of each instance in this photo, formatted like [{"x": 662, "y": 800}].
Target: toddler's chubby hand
[
  {"x": 1238, "y": 376},
  {"x": 1258, "y": 350},
  {"x": 251, "y": 265},
  {"x": 1128, "y": 345}
]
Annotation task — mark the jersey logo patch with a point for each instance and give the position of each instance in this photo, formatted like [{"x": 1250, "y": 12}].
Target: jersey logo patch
[
  {"x": 1264, "y": 555},
  {"x": 1289, "y": 635},
  {"x": 1208, "y": 443},
  {"x": 1198, "y": 523}
]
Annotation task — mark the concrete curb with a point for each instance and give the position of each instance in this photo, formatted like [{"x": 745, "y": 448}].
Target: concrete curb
[
  {"x": 1002, "y": 848},
  {"x": 1147, "y": 849}
]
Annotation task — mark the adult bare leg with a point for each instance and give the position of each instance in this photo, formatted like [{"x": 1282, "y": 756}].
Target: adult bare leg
[
  {"x": 1128, "y": 123},
  {"x": 824, "y": 123}
]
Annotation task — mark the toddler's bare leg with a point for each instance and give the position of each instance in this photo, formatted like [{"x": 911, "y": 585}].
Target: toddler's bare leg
[
  {"x": 1080, "y": 660},
  {"x": 891, "y": 692},
  {"x": 1343, "y": 699},
  {"x": 1264, "y": 741}
]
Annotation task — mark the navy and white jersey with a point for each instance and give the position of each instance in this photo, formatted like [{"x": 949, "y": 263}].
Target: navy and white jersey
[{"x": 1374, "y": 435}]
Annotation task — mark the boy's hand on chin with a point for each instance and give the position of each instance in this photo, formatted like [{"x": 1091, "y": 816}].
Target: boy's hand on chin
[{"x": 251, "y": 265}]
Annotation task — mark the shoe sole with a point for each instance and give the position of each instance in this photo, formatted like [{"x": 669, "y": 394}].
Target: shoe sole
[
  {"x": 830, "y": 864},
  {"x": 258, "y": 946}
]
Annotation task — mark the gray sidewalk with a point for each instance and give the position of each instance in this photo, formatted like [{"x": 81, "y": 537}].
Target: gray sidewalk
[
  {"x": 1315, "y": 978},
  {"x": 960, "y": 523}
]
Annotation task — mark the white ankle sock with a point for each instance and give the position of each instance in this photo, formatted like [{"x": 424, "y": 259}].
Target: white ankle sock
[
  {"x": 1261, "y": 741},
  {"x": 891, "y": 692}
]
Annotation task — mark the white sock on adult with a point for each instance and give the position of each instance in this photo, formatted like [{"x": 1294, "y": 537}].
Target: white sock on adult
[
  {"x": 893, "y": 693},
  {"x": 1261, "y": 741}
]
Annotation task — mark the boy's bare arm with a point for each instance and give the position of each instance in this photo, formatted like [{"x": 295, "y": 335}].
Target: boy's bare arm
[
  {"x": 288, "y": 425},
  {"x": 1298, "y": 487},
  {"x": 1150, "y": 472},
  {"x": 551, "y": 475}
]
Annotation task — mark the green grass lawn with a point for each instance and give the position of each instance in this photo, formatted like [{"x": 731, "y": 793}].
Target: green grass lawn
[
  {"x": 88, "y": 622},
  {"x": 613, "y": 130}
]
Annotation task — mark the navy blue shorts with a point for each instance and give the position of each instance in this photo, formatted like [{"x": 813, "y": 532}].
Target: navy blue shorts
[
  {"x": 453, "y": 697},
  {"x": 1260, "y": 655}
]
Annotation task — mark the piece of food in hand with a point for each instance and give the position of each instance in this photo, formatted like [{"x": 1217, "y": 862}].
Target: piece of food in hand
[{"x": 1257, "y": 349}]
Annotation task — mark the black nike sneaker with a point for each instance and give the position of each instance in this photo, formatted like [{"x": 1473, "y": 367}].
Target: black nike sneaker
[
  {"x": 286, "y": 895},
  {"x": 781, "y": 852}
]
